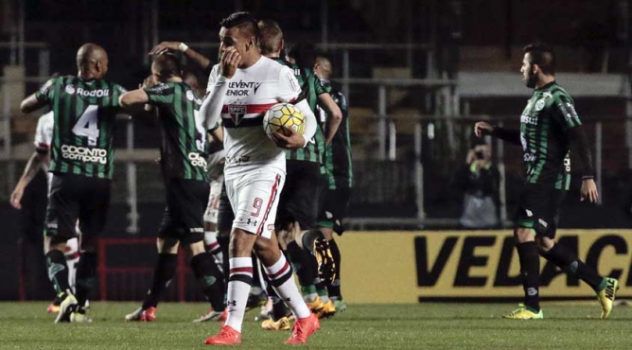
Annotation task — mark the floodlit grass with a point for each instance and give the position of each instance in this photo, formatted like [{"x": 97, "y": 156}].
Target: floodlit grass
[{"x": 419, "y": 326}]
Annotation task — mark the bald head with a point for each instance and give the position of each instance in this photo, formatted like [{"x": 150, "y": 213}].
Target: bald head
[
  {"x": 270, "y": 38},
  {"x": 92, "y": 61},
  {"x": 322, "y": 67}
]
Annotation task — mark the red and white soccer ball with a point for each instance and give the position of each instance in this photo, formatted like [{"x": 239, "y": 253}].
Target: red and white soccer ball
[{"x": 284, "y": 115}]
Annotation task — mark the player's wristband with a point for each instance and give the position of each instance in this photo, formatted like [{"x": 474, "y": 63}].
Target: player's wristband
[
  {"x": 588, "y": 177},
  {"x": 183, "y": 47}
]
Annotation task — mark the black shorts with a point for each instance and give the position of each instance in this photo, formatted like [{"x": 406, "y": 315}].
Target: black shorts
[
  {"x": 299, "y": 197},
  {"x": 538, "y": 209},
  {"x": 334, "y": 209},
  {"x": 225, "y": 214},
  {"x": 184, "y": 216},
  {"x": 75, "y": 197}
]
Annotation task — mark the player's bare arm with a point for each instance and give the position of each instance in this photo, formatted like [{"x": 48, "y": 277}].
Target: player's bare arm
[
  {"x": 212, "y": 106},
  {"x": 132, "y": 98},
  {"x": 37, "y": 162},
  {"x": 191, "y": 54},
  {"x": 334, "y": 116}
]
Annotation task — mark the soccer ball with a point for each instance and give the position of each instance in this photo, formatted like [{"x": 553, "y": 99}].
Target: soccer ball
[{"x": 283, "y": 115}]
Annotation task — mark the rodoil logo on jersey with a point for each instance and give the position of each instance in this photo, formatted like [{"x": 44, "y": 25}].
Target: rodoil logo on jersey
[
  {"x": 84, "y": 154},
  {"x": 71, "y": 90},
  {"x": 197, "y": 160}
]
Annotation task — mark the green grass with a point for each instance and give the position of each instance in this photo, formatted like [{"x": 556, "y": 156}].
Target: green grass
[{"x": 427, "y": 326}]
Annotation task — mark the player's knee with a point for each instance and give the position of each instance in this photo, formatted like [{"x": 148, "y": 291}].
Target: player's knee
[
  {"x": 241, "y": 243},
  {"x": 545, "y": 244},
  {"x": 524, "y": 234},
  {"x": 328, "y": 233},
  {"x": 197, "y": 248},
  {"x": 167, "y": 245},
  {"x": 55, "y": 243}
]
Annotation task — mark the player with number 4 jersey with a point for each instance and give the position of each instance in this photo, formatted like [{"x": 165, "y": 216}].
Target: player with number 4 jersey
[{"x": 82, "y": 153}]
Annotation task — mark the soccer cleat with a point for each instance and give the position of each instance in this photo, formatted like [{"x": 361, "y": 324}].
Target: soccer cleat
[
  {"x": 303, "y": 329},
  {"x": 328, "y": 310},
  {"x": 607, "y": 295},
  {"x": 340, "y": 305},
  {"x": 283, "y": 324},
  {"x": 78, "y": 317},
  {"x": 141, "y": 315},
  {"x": 212, "y": 315},
  {"x": 227, "y": 336},
  {"x": 316, "y": 305},
  {"x": 52, "y": 308},
  {"x": 522, "y": 313},
  {"x": 148, "y": 315},
  {"x": 68, "y": 306}
]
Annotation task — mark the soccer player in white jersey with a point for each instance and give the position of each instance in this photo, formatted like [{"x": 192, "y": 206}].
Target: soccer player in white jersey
[
  {"x": 39, "y": 160},
  {"x": 244, "y": 86}
]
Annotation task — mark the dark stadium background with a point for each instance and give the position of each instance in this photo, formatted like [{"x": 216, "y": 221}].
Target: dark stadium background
[{"x": 428, "y": 44}]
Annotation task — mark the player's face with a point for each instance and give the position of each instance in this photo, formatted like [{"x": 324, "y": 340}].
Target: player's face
[
  {"x": 154, "y": 73},
  {"x": 235, "y": 38},
  {"x": 323, "y": 69},
  {"x": 529, "y": 75},
  {"x": 102, "y": 67}
]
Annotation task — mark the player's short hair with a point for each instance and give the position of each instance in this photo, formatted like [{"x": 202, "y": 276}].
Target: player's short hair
[
  {"x": 270, "y": 36},
  {"x": 242, "y": 20},
  {"x": 167, "y": 65},
  {"x": 542, "y": 55}
]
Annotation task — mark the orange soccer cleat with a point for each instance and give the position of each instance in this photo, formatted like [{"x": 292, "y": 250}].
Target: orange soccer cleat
[
  {"x": 227, "y": 336},
  {"x": 303, "y": 329}
]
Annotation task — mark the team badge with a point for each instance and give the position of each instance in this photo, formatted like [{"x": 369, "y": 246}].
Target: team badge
[
  {"x": 539, "y": 105},
  {"x": 237, "y": 113},
  {"x": 190, "y": 96}
]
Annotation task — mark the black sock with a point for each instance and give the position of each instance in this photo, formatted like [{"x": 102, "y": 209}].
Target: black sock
[
  {"x": 164, "y": 272},
  {"x": 224, "y": 243},
  {"x": 58, "y": 271},
  {"x": 211, "y": 279},
  {"x": 530, "y": 268},
  {"x": 302, "y": 262},
  {"x": 334, "y": 287},
  {"x": 568, "y": 262},
  {"x": 86, "y": 278}
]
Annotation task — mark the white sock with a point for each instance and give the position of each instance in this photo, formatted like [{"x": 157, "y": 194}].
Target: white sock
[
  {"x": 210, "y": 239},
  {"x": 280, "y": 276},
  {"x": 239, "y": 282},
  {"x": 72, "y": 258}
]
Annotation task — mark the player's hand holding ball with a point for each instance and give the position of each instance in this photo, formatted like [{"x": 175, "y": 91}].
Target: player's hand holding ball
[
  {"x": 285, "y": 124},
  {"x": 229, "y": 62}
]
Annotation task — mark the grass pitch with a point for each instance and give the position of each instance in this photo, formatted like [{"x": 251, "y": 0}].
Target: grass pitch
[{"x": 419, "y": 326}]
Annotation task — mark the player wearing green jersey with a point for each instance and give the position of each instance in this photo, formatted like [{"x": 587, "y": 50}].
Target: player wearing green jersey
[
  {"x": 183, "y": 154},
  {"x": 82, "y": 156},
  {"x": 339, "y": 182},
  {"x": 298, "y": 204},
  {"x": 549, "y": 129}
]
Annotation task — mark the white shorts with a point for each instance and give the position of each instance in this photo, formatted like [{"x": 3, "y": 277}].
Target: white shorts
[
  {"x": 254, "y": 198},
  {"x": 212, "y": 209}
]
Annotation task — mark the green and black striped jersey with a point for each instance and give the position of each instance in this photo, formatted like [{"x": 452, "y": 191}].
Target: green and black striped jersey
[
  {"x": 84, "y": 115},
  {"x": 183, "y": 148},
  {"x": 337, "y": 157},
  {"x": 544, "y": 135},
  {"x": 311, "y": 88}
]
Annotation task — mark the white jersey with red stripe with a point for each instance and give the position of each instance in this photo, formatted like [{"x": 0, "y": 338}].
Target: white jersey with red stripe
[
  {"x": 44, "y": 132},
  {"x": 250, "y": 93},
  {"x": 44, "y": 137}
]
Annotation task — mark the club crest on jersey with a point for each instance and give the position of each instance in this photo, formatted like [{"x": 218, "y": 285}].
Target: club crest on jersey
[
  {"x": 237, "y": 113},
  {"x": 539, "y": 105}
]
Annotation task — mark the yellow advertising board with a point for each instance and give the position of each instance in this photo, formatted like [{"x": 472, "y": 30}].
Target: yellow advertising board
[{"x": 408, "y": 267}]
